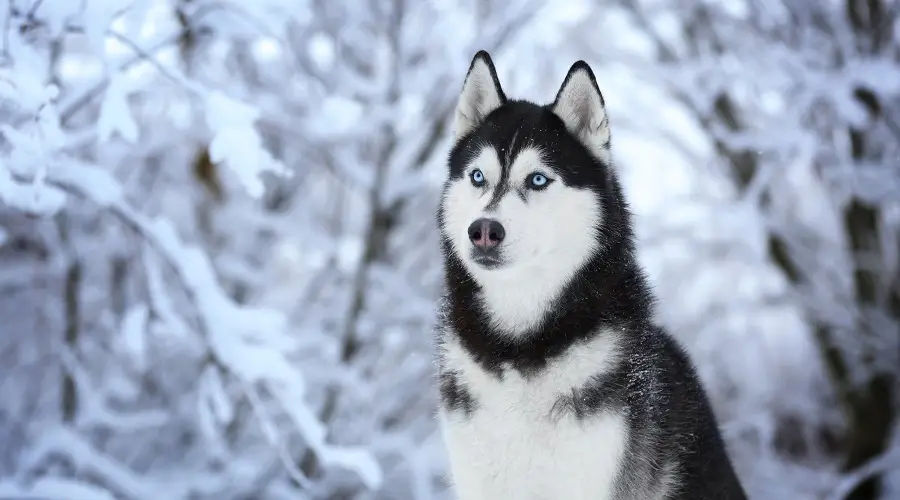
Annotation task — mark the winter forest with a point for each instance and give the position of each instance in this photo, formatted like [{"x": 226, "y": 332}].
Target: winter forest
[{"x": 219, "y": 258}]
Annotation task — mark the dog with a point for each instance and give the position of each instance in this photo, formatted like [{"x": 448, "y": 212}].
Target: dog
[{"x": 555, "y": 383}]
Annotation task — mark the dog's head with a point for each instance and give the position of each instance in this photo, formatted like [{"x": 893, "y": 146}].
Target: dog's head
[{"x": 523, "y": 205}]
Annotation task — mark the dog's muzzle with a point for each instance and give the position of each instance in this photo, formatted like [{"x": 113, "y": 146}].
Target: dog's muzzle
[{"x": 486, "y": 236}]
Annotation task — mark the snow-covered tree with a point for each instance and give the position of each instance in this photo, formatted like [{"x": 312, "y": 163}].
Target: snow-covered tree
[{"x": 218, "y": 255}]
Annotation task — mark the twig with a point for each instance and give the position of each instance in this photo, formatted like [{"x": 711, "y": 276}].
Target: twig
[
  {"x": 889, "y": 460},
  {"x": 148, "y": 57},
  {"x": 34, "y": 7},
  {"x": 270, "y": 430},
  {"x": 68, "y": 109},
  {"x": 70, "y": 402},
  {"x": 70, "y": 106},
  {"x": 7, "y": 24}
]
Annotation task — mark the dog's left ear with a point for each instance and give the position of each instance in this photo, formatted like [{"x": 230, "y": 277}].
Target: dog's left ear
[
  {"x": 580, "y": 105},
  {"x": 481, "y": 94}
]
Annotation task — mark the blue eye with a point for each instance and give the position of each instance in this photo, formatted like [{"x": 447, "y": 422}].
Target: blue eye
[
  {"x": 477, "y": 177},
  {"x": 538, "y": 180}
]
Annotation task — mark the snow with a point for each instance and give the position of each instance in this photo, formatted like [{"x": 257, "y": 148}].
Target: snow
[
  {"x": 33, "y": 198},
  {"x": 47, "y": 488},
  {"x": 321, "y": 50},
  {"x": 134, "y": 334},
  {"x": 240, "y": 345},
  {"x": 98, "y": 15},
  {"x": 236, "y": 143},
  {"x": 115, "y": 115},
  {"x": 344, "y": 115}
]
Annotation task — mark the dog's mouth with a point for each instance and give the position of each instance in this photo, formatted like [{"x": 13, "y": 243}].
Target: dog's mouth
[{"x": 487, "y": 260}]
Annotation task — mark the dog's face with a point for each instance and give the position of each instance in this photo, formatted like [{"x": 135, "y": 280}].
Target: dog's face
[
  {"x": 510, "y": 209},
  {"x": 522, "y": 207}
]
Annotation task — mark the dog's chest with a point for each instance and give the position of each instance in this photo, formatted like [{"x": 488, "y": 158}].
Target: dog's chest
[{"x": 517, "y": 443}]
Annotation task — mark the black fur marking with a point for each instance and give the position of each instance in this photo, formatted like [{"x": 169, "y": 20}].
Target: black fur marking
[
  {"x": 672, "y": 421},
  {"x": 499, "y": 191},
  {"x": 602, "y": 392},
  {"x": 506, "y": 157},
  {"x": 454, "y": 395}
]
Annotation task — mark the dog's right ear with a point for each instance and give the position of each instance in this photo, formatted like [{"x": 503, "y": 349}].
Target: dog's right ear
[
  {"x": 481, "y": 94},
  {"x": 579, "y": 104}
]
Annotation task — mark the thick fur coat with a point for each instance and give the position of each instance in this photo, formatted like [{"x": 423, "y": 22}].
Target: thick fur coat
[{"x": 555, "y": 384}]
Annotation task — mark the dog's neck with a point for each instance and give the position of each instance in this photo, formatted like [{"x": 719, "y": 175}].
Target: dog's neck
[
  {"x": 608, "y": 291},
  {"x": 517, "y": 302}
]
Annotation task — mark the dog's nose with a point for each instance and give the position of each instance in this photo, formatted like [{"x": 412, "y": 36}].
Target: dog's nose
[{"x": 486, "y": 233}]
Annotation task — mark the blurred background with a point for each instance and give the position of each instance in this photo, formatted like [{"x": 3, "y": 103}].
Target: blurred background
[{"x": 218, "y": 253}]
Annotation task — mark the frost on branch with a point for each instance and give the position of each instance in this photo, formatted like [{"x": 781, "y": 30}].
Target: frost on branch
[
  {"x": 28, "y": 142},
  {"x": 115, "y": 114},
  {"x": 134, "y": 334},
  {"x": 237, "y": 144},
  {"x": 53, "y": 487},
  {"x": 170, "y": 386}
]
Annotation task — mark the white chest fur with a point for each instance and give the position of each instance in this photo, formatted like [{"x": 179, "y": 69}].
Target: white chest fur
[{"x": 514, "y": 446}]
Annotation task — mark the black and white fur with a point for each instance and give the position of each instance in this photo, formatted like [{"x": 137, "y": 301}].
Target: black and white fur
[{"x": 555, "y": 384}]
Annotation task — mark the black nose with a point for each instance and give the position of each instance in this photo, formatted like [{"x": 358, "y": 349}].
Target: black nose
[{"x": 486, "y": 233}]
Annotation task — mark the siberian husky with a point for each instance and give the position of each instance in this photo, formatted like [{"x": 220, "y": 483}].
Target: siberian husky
[{"x": 555, "y": 383}]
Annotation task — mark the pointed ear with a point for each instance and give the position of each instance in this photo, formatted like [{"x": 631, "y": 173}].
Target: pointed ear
[
  {"x": 481, "y": 94},
  {"x": 580, "y": 105}
]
